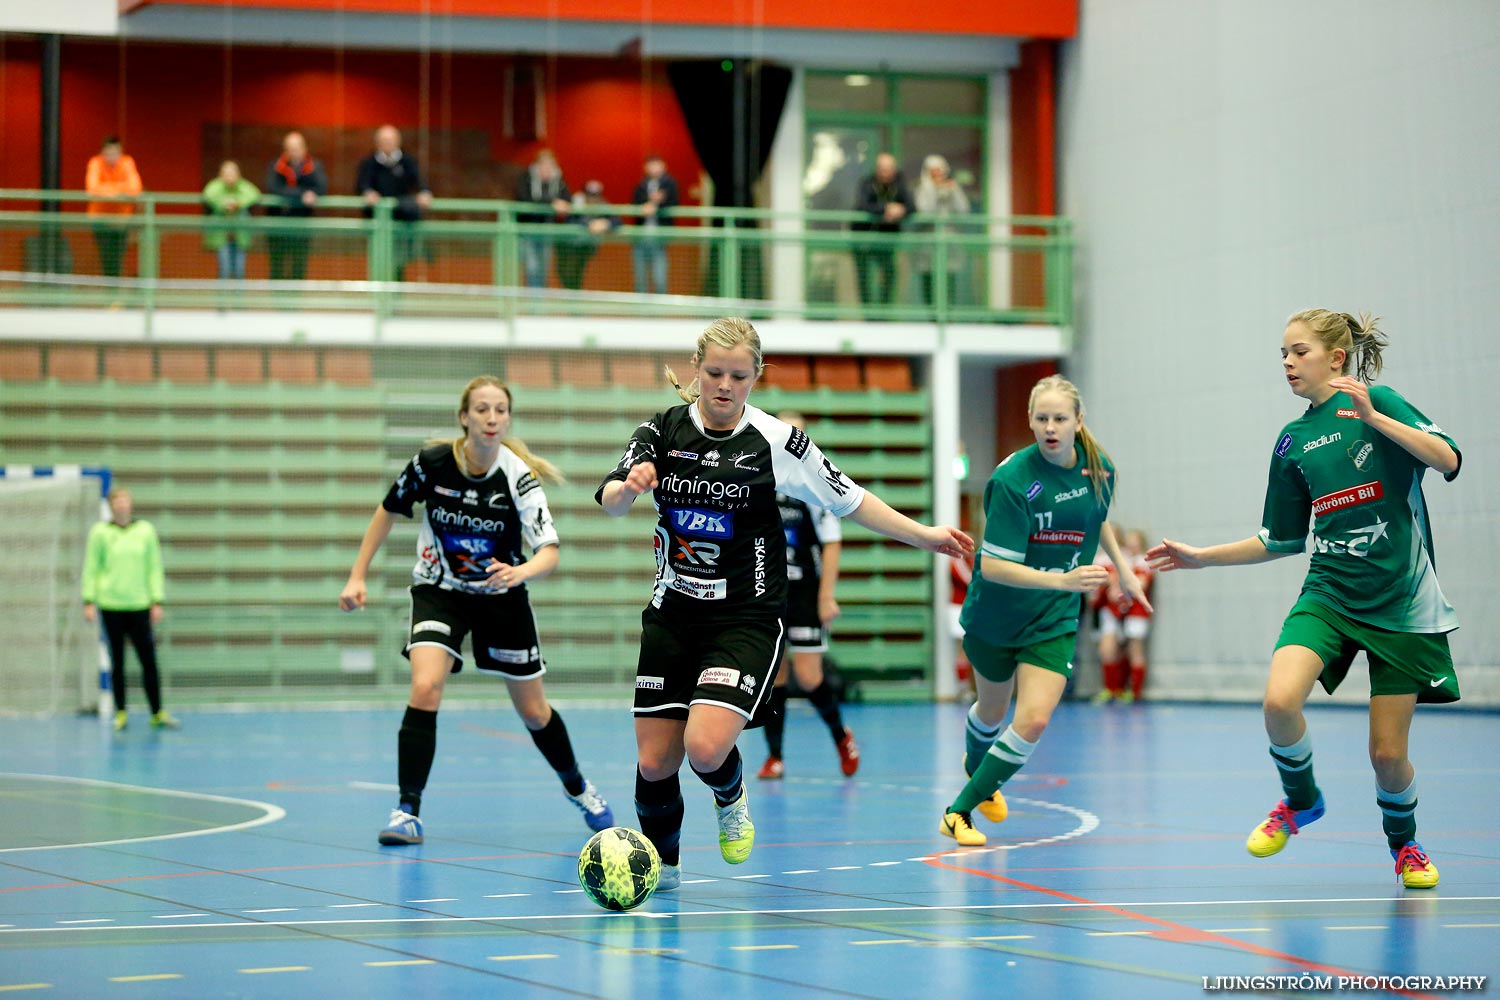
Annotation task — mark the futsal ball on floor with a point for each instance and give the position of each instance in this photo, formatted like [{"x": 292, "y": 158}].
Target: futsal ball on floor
[{"x": 619, "y": 868}]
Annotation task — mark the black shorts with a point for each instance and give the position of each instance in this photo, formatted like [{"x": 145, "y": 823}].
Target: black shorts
[
  {"x": 730, "y": 665},
  {"x": 502, "y": 627},
  {"x": 805, "y": 631}
]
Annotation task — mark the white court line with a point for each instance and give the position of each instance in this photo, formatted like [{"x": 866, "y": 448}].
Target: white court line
[
  {"x": 274, "y": 909},
  {"x": 883, "y": 864},
  {"x": 96, "y": 920},
  {"x": 350, "y": 906},
  {"x": 272, "y": 813},
  {"x": 804, "y": 871},
  {"x": 780, "y": 911},
  {"x": 177, "y": 916},
  {"x": 374, "y": 786},
  {"x": 444, "y": 899}
]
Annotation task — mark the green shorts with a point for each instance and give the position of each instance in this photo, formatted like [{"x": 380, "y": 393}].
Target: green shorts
[
  {"x": 998, "y": 663},
  {"x": 1400, "y": 662}
]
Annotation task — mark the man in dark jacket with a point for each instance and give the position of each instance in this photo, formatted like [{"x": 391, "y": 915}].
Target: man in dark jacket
[
  {"x": 389, "y": 172},
  {"x": 885, "y": 198},
  {"x": 656, "y": 196},
  {"x": 294, "y": 183},
  {"x": 542, "y": 184}
]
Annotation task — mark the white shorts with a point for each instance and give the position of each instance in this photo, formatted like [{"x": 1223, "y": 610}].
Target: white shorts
[
  {"x": 1134, "y": 627},
  {"x": 955, "y": 627}
]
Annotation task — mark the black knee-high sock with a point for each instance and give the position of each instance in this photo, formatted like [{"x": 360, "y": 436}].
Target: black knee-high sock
[
  {"x": 658, "y": 805},
  {"x": 727, "y": 780},
  {"x": 416, "y": 745},
  {"x": 552, "y": 740},
  {"x": 776, "y": 722},
  {"x": 827, "y": 705}
]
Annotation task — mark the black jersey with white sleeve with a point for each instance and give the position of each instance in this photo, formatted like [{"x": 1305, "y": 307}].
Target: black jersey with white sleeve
[
  {"x": 720, "y": 544},
  {"x": 807, "y": 530},
  {"x": 469, "y": 520}
]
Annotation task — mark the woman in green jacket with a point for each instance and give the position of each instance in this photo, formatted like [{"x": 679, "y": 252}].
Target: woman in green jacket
[
  {"x": 122, "y": 581},
  {"x": 229, "y": 196}
]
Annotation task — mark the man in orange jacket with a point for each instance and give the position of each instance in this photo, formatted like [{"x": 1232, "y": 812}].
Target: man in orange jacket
[{"x": 113, "y": 183}]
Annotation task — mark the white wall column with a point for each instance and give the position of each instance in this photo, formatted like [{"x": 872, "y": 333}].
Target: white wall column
[{"x": 785, "y": 174}]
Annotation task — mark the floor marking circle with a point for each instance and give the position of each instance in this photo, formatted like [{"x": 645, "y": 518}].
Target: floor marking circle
[{"x": 272, "y": 813}]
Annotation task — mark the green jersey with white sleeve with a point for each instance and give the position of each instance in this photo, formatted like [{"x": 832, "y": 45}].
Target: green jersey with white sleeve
[
  {"x": 1045, "y": 517},
  {"x": 1372, "y": 556}
]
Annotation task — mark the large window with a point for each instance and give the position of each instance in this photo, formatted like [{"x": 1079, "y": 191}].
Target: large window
[{"x": 854, "y": 116}]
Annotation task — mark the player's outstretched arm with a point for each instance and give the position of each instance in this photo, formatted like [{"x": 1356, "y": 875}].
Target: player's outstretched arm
[
  {"x": 880, "y": 517},
  {"x": 1170, "y": 555},
  {"x": 353, "y": 596}
]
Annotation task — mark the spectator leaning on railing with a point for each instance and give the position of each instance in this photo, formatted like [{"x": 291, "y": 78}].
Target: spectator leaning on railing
[
  {"x": 542, "y": 184},
  {"x": 575, "y": 251},
  {"x": 295, "y": 181},
  {"x": 390, "y": 172},
  {"x": 886, "y": 199},
  {"x": 655, "y": 195},
  {"x": 229, "y": 196},
  {"x": 113, "y": 183}
]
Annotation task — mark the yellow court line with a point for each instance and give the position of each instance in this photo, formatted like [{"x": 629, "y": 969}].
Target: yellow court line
[
  {"x": 25, "y": 986},
  {"x": 145, "y": 979},
  {"x": 762, "y": 947},
  {"x": 408, "y": 961},
  {"x": 1120, "y": 933},
  {"x": 1005, "y": 937},
  {"x": 279, "y": 968},
  {"x": 516, "y": 958}
]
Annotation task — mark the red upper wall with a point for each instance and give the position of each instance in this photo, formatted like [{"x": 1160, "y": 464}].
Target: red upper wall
[
  {"x": 174, "y": 104},
  {"x": 1016, "y": 18}
]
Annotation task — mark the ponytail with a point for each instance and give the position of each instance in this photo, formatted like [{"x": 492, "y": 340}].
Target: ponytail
[
  {"x": 690, "y": 394},
  {"x": 1094, "y": 457},
  {"x": 1369, "y": 342}
]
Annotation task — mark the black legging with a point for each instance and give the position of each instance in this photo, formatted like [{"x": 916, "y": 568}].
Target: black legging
[{"x": 136, "y": 625}]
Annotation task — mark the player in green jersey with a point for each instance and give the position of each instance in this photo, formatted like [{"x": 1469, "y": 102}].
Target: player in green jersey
[
  {"x": 1352, "y": 463},
  {"x": 1045, "y": 509}
]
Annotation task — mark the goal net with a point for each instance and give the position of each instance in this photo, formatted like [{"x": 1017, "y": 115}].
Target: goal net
[{"x": 49, "y": 657}]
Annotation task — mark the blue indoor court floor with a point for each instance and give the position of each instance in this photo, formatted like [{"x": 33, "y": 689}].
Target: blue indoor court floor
[{"x": 237, "y": 858}]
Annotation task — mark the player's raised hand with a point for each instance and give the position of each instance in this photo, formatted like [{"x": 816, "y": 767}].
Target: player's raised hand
[
  {"x": 1170, "y": 555},
  {"x": 353, "y": 597},
  {"x": 1358, "y": 392},
  {"x": 642, "y": 477}
]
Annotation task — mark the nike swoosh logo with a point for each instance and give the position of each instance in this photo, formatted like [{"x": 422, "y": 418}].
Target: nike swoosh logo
[{"x": 1438, "y": 683}]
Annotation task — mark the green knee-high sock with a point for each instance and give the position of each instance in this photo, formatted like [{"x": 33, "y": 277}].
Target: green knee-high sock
[
  {"x": 1005, "y": 758},
  {"x": 1294, "y": 764},
  {"x": 979, "y": 736},
  {"x": 1398, "y": 814}
]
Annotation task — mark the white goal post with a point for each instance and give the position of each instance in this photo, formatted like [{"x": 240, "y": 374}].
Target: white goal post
[{"x": 50, "y": 657}]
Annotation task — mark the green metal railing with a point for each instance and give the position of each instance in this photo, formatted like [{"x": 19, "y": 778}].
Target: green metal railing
[{"x": 468, "y": 258}]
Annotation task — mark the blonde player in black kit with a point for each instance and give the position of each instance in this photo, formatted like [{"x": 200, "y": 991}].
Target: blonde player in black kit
[
  {"x": 712, "y": 635},
  {"x": 483, "y": 498}
]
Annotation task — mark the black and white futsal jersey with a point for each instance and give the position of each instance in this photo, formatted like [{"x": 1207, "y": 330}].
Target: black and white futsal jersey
[
  {"x": 807, "y": 530},
  {"x": 720, "y": 545},
  {"x": 470, "y": 520}
]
